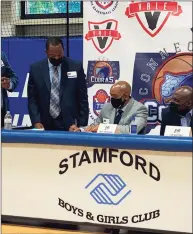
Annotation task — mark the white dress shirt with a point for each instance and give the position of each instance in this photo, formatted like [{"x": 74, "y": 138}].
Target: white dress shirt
[{"x": 185, "y": 121}]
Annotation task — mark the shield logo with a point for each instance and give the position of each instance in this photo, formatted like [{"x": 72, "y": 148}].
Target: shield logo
[
  {"x": 153, "y": 15},
  {"x": 99, "y": 99},
  {"x": 104, "y": 4},
  {"x": 103, "y": 33},
  {"x": 152, "y": 22}
]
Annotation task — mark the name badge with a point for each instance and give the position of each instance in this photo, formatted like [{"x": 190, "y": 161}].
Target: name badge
[
  {"x": 105, "y": 121},
  {"x": 107, "y": 128},
  {"x": 72, "y": 74},
  {"x": 178, "y": 131}
]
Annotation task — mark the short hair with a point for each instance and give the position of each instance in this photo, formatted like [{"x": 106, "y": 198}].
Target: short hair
[{"x": 55, "y": 41}]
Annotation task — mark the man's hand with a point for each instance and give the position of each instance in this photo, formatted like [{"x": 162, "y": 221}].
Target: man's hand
[
  {"x": 39, "y": 126},
  {"x": 92, "y": 128},
  {"x": 117, "y": 131},
  {"x": 5, "y": 82},
  {"x": 74, "y": 128}
]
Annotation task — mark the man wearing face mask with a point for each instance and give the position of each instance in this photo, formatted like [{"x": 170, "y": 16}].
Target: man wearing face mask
[
  {"x": 57, "y": 91},
  {"x": 123, "y": 110},
  {"x": 180, "y": 110}
]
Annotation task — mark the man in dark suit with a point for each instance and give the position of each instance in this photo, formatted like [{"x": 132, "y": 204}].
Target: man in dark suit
[
  {"x": 180, "y": 111},
  {"x": 9, "y": 82},
  {"x": 57, "y": 92}
]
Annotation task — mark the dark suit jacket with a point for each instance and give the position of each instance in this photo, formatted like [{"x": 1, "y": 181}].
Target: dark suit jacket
[
  {"x": 73, "y": 94},
  {"x": 8, "y": 72},
  {"x": 170, "y": 118}
]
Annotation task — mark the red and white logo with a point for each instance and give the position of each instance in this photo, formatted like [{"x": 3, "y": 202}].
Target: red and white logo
[
  {"x": 104, "y": 7},
  {"x": 104, "y": 4},
  {"x": 102, "y": 34},
  {"x": 99, "y": 99},
  {"x": 152, "y": 15}
]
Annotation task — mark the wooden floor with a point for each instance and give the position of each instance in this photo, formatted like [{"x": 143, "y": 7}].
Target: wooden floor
[{"x": 14, "y": 229}]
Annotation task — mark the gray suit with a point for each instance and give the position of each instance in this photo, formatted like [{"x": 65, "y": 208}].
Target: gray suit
[{"x": 133, "y": 108}]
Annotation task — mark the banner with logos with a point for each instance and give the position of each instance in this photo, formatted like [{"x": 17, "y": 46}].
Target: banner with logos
[
  {"x": 146, "y": 43},
  {"x": 101, "y": 186}
]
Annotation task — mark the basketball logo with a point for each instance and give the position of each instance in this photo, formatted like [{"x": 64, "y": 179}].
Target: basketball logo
[
  {"x": 101, "y": 96},
  {"x": 99, "y": 99},
  {"x": 172, "y": 74}
]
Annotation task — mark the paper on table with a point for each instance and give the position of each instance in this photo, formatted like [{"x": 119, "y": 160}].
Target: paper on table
[{"x": 37, "y": 129}]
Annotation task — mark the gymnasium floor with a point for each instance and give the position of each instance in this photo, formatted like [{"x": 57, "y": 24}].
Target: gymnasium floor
[{"x": 15, "y": 229}]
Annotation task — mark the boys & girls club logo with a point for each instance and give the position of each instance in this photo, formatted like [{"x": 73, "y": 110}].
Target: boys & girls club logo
[
  {"x": 99, "y": 99},
  {"x": 108, "y": 189},
  {"x": 102, "y": 72},
  {"x": 158, "y": 79},
  {"x": 153, "y": 15},
  {"x": 102, "y": 34},
  {"x": 104, "y": 7}
]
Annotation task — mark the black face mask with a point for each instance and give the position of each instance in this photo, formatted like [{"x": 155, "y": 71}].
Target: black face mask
[
  {"x": 175, "y": 108},
  {"x": 55, "y": 62},
  {"x": 117, "y": 103}
]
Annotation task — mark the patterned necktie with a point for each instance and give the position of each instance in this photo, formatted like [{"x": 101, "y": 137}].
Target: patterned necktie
[
  {"x": 54, "y": 96},
  {"x": 118, "y": 117}
]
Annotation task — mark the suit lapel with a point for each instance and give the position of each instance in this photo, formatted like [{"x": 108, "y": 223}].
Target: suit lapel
[
  {"x": 175, "y": 120},
  {"x": 64, "y": 77},
  {"x": 128, "y": 107},
  {"x": 191, "y": 122},
  {"x": 127, "y": 110},
  {"x": 112, "y": 116},
  {"x": 46, "y": 74}
]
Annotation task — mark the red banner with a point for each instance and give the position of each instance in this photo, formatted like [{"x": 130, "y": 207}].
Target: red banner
[
  {"x": 168, "y": 6},
  {"x": 103, "y": 33}
]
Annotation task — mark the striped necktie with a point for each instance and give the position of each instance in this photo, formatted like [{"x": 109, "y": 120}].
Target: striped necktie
[{"x": 54, "y": 96}]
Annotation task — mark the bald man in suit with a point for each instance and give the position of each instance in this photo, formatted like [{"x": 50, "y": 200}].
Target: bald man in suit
[{"x": 123, "y": 110}]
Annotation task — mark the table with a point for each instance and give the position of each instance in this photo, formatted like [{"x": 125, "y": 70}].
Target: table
[{"x": 129, "y": 182}]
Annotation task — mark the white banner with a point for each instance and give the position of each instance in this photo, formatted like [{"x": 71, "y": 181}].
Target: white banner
[
  {"x": 146, "y": 43},
  {"x": 128, "y": 188}
]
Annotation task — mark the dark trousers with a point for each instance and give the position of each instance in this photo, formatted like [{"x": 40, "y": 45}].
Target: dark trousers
[
  {"x": 56, "y": 124},
  {"x": 2, "y": 117}
]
